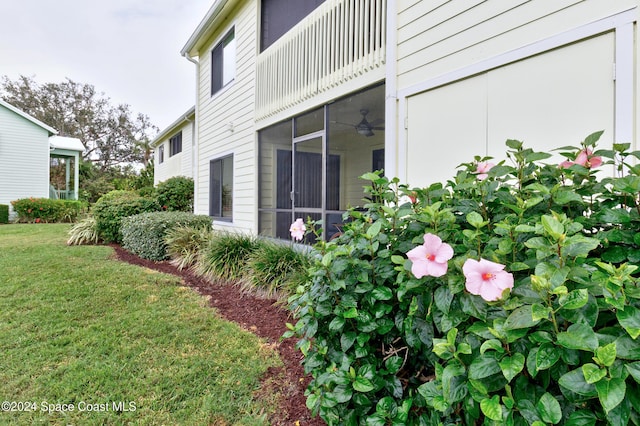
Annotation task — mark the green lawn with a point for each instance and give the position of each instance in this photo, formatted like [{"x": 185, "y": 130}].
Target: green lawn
[{"x": 77, "y": 327}]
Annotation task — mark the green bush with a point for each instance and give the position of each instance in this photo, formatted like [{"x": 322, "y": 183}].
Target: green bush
[
  {"x": 147, "y": 191},
  {"x": 112, "y": 207},
  {"x": 509, "y": 296},
  {"x": 185, "y": 243},
  {"x": 176, "y": 194},
  {"x": 84, "y": 232},
  {"x": 144, "y": 234},
  {"x": 276, "y": 270},
  {"x": 226, "y": 256},
  {"x": 45, "y": 210},
  {"x": 4, "y": 213}
]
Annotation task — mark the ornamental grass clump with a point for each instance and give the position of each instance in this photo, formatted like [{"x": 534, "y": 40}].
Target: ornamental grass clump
[
  {"x": 184, "y": 243},
  {"x": 509, "y": 295},
  {"x": 84, "y": 232},
  {"x": 275, "y": 270},
  {"x": 226, "y": 256}
]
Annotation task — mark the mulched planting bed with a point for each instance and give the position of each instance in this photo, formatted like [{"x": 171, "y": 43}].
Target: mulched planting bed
[{"x": 260, "y": 317}]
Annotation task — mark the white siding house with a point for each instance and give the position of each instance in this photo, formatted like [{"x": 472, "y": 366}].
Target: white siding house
[
  {"x": 173, "y": 149},
  {"x": 297, "y": 99},
  {"x": 545, "y": 72},
  {"x": 24, "y": 155}
]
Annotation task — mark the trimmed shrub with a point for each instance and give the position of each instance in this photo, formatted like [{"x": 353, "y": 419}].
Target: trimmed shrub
[
  {"x": 276, "y": 270},
  {"x": 176, "y": 194},
  {"x": 4, "y": 213},
  {"x": 84, "y": 232},
  {"x": 144, "y": 234},
  {"x": 510, "y": 295},
  {"x": 185, "y": 243},
  {"x": 147, "y": 191},
  {"x": 45, "y": 210},
  {"x": 112, "y": 207},
  {"x": 226, "y": 256}
]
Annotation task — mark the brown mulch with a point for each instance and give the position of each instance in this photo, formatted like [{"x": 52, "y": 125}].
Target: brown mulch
[{"x": 262, "y": 318}]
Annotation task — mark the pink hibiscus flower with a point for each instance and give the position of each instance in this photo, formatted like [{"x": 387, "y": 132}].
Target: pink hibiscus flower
[
  {"x": 430, "y": 259},
  {"x": 585, "y": 158},
  {"x": 482, "y": 169},
  {"x": 297, "y": 229},
  {"x": 486, "y": 279}
]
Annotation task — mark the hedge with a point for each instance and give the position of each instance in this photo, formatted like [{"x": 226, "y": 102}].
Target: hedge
[
  {"x": 4, "y": 213},
  {"x": 39, "y": 210},
  {"x": 144, "y": 234},
  {"x": 112, "y": 207}
]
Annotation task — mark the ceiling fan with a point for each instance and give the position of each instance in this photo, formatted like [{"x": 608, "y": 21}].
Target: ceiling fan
[{"x": 364, "y": 127}]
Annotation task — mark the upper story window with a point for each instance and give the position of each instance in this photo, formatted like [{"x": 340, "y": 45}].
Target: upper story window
[
  {"x": 161, "y": 154},
  {"x": 175, "y": 144},
  {"x": 223, "y": 62},
  {"x": 279, "y": 16}
]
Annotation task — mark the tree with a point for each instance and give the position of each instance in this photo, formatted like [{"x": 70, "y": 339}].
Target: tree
[{"x": 111, "y": 135}]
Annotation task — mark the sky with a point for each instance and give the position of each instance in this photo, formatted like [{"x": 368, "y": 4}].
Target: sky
[{"x": 127, "y": 49}]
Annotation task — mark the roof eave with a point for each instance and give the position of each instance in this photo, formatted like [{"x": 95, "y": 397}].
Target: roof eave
[
  {"x": 34, "y": 120},
  {"x": 186, "y": 117},
  {"x": 206, "y": 27}
]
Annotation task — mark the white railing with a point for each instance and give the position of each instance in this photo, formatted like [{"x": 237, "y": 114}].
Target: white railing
[{"x": 339, "y": 41}]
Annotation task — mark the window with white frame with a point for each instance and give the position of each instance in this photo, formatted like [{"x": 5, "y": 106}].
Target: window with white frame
[
  {"x": 223, "y": 62},
  {"x": 161, "y": 154},
  {"x": 221, "y": 188}
]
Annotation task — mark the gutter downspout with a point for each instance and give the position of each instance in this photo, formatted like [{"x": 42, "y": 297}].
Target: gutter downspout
[
  {"x": 195, "y": 146},
  {"x": 391, "y": 96}
]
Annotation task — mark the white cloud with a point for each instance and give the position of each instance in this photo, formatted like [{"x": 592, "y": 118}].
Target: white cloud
[{"x": 128, "y": 49}]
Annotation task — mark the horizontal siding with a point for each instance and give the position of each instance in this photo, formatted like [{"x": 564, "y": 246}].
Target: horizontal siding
[
  {"x": 24, "y": 158},
  {"x": 179, "y": 164},
  {"x": 226, "y": 122},
  {"x": 437, "y": 38}
]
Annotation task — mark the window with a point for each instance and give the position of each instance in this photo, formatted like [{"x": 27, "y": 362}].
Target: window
[
  {"x": 175, "y": 144},
  {"x": 221, "y": 188},
  {"x": 307, "y": 170},
  {"x": 223, "y": 62},
  {"x": 161, "y": 154},
  {"x": 279, "y": 16}
]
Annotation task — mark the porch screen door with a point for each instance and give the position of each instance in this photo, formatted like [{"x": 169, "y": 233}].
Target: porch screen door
[{"x": 308, "y": 179}]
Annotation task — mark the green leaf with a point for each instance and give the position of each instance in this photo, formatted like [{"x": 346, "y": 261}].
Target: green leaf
[
  {"x": 553, "y": 227},
  {"x": 634, "y": 370},
  {"x": 581, "y": 418},
  {"x": 521, "y": 317},
  {"x": 346, "y": 340},
  {"x": 350, "y": 313},
  {"x": 578, "y": 336},
  {"x": 579, "y": 246},
  {"x": 386, "y": 407},
  {"x": 483, "y": 366},
  {"x": 393, "y": 364},
  {"x": 383, "y": 293},
  {"x": 514, "y": 144},
  {"x": 342, "y": 393},
  {"x": 397, "y": 260},
  {"x": 629, "y": 319},
  {"x": 606, "y": 355},
  {"x": 592, "y": 373},
  {"x": 336, "y": 324},
  {"x": 476, "y": 220},
  {"x": 491, "y": 344},
  {"x": 574, "y": 381},
  {"x": 611, "y": 393},
  {"x": 374, "y": 230},
  {"x": 576, "y": 299},
  {"x": 564, "y": 196},
  {"x": 549, "y": 409},
  {"x": 362, "y": 384},
  {"x": 539, "y": 312},
  {"x": 492, "y": 408},
  {"x": 512, "y": 366},
  {"x": 615, "y": 254},
  {"x": 547, "y": 355},
  {"x": 375, "y": 420}
]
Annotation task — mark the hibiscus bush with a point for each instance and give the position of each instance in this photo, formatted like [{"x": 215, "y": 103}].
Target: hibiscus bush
[{"x": 509, "y": 295}]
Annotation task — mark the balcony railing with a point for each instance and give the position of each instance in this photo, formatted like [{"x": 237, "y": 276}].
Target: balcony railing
[{"x": 339, "y": 41}]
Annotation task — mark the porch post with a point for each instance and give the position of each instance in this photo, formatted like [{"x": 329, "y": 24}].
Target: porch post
[
  {"x": 67, "y": 167},
  {"x": 76, "y": 175}
]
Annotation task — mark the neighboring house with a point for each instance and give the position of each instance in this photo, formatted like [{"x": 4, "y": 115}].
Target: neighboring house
[
  {"x": 296, "y": 99},
  {"x": 26, "y": 149},
  {"x": 173, "y": 149}
]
